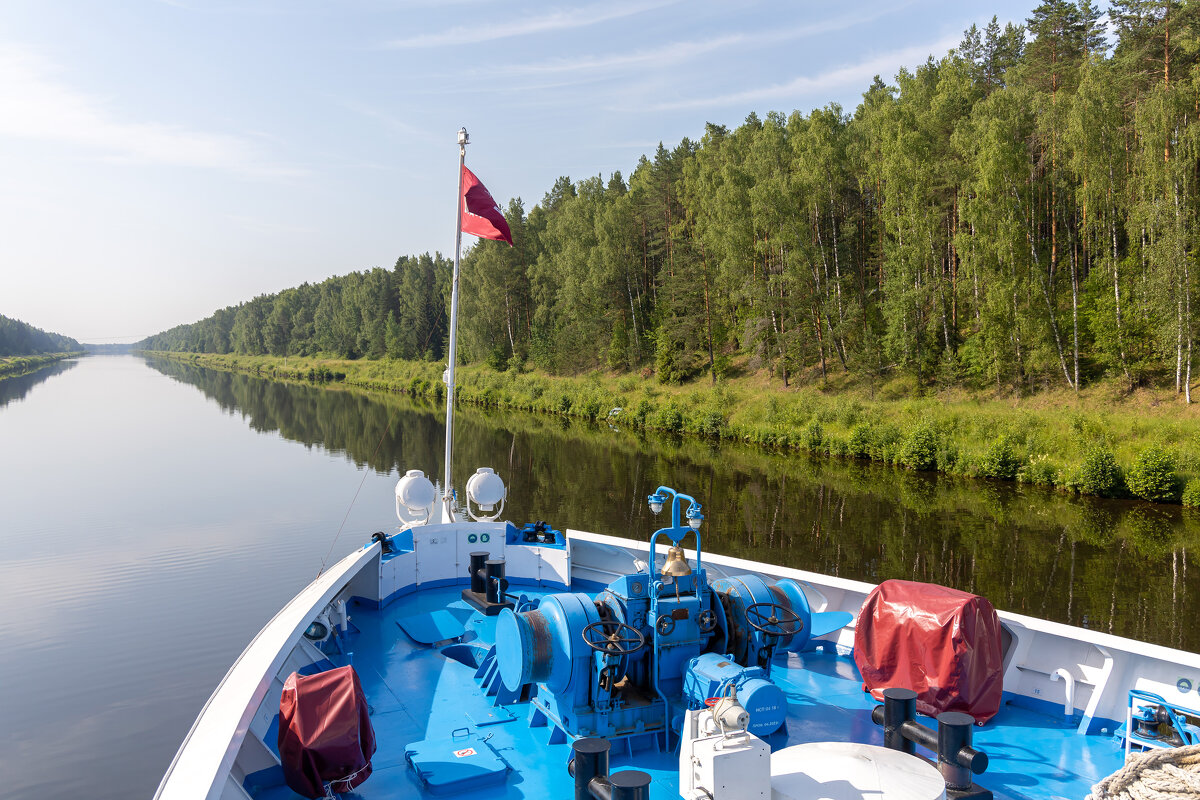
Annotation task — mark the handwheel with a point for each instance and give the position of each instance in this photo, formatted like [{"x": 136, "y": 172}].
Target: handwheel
[
  {"x": 707, "y": 620},
  {"x": 785, "y": 621},
  {"x": 597, "y": 637}
]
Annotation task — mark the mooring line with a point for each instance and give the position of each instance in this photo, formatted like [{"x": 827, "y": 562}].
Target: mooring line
[{"x": 387, "y": 428}]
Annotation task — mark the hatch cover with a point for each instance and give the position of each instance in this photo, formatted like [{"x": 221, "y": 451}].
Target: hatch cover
[
  {"x": 439, "y": 626},
  {"x": 450, "y": 766}
]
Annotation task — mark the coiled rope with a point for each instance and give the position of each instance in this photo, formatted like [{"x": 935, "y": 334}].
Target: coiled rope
[{"x": 1171, "y": 773}]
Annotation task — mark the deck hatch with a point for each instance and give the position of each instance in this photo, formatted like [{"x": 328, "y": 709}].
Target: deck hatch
[{"x": 453, "y": 765}]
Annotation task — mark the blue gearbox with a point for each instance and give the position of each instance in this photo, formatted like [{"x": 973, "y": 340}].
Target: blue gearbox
[{"x": 711, "y": 675}]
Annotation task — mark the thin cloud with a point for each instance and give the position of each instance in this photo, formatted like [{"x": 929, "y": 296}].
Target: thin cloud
[
  {"x": 861, "y": 72},
  {"x": 679, "y": 52},
  {"x": 256, "y": 225},
  {"x": 552, "y": 21},
  {"x": 392, "y": 121},
  {"x": 656, "y": 57},
  {"x": 35, "y": 105}
]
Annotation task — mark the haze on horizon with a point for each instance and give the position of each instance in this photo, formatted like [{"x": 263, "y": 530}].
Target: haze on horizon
[{"x": 166, "y": 158}]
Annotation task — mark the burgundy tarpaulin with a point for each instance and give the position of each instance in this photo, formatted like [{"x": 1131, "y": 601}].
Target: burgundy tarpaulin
[
  {"x": 941, "y": 643},
  {"x": 325, "y": 734}
]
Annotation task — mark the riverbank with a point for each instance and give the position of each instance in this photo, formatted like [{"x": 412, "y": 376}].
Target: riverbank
[
  {"x": 12, "y": 366},
  {"x": 1100, "y": 442}
]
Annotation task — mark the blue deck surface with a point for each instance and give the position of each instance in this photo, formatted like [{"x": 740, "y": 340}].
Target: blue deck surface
[{"x": 417, "y": 693}]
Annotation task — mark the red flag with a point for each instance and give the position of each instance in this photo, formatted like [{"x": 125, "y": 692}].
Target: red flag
[{"x": 480, "y": 215}]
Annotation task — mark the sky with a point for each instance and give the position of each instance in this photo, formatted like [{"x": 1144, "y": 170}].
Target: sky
[{"x": 161, "y": 159}]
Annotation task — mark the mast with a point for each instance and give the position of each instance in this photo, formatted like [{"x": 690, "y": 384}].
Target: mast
[{"x": 448, "y": 497}]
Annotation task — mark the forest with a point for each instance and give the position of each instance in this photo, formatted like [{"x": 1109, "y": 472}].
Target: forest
[
  {"x": 1018, "y": 214},
  {"x": 21, "y": 339}
]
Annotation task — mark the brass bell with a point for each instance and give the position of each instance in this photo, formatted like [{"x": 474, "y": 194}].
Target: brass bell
[{"x": 676, "y": 566}]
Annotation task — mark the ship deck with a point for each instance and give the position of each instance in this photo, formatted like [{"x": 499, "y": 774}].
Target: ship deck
[{"x": 416, "y": 693}]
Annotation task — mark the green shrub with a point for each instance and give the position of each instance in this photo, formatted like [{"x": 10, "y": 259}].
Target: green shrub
[
  {"x": 1152, "y": 476},
  {"x": 836, "y": 446},
  {"x": 1000, "y": 461},
  {"x": 949, "y": 459},
  {"x": 710, "y": 422},
  {"x": 886, "y": 444},
  {"x": 1040, "y": 470},
  {"x": 497, "y": 358},
  {"x": 920, "y": 448},
  {"x": 1100, "y": 474},
  {"x": 1191, "y": 493},
  {"x": 814, "y": 436},
  {"x": 669, "y": 418},
  {"x": 721, "y": 366},
  {"x": 848, "y": 413},
  {"x": 1084, "y": 429},
  {"x": 589, "y": 408},
  {"x": 859, "y": 443}
]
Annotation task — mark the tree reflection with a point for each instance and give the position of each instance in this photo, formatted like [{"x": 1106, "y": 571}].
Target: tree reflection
[
  {"x": 1115, "y": 565},
  {"x": 15, "y": 388}
]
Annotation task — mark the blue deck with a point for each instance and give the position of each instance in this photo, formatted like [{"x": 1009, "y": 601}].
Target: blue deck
[{"x": 418, "y": 693}]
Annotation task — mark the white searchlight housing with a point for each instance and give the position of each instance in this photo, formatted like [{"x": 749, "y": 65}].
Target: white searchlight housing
[
  {"x": 486, "y": 490},
  {"x": 415, "y": 498}
]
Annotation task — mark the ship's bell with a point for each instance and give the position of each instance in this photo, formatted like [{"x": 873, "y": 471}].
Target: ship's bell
[{"x": 676, "y": 566}]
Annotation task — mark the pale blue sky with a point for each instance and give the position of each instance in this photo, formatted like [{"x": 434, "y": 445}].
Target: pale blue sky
[{"x": 160, "y": 159}]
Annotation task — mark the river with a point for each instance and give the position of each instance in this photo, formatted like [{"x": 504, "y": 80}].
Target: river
[{"x": 156, "y": 514}]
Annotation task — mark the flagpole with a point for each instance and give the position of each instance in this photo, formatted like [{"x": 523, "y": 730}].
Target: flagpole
[{"x": 448, "y": 497}]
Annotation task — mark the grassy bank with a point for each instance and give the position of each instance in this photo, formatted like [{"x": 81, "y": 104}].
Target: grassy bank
[
  {"x": 11, "y": 366},
  {"x": 1101, "y": 442}
]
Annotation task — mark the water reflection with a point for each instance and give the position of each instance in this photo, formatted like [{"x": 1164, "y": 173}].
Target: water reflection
[
  {"x": 1120, "y": 567},
  {"x": 15, "y": 388}
]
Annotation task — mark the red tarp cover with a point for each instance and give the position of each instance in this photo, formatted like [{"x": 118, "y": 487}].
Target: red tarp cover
[
  {"x": 325, "y": 734},
  {"x": 941, "y": 643}
]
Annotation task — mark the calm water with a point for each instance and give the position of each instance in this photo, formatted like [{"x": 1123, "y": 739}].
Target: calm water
[{"x": 155, "y": 515}]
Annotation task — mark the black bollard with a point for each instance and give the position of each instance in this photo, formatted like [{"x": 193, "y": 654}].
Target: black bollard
[
  {"x": 488, "y": 585},
  {"x": 495, "y": 579},
  {"x": 589, "y": 768},
  {"x": 630, "y": 784},
  {"x": 590, "y": 760},
  {"x": 476, "y": 572},
  {"x": 956, "y": 758},
  {"x": 899, "y": 707}
]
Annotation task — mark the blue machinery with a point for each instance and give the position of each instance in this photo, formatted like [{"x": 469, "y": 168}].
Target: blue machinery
[
  {"x": 1152, "y": 722},
  {"x": 626, "y": 665}
]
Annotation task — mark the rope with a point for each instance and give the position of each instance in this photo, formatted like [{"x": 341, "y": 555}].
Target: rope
[
  {"x": 1171, "y": 773},
  {"x": 353, "y": 500},
  {"x": 330, "y": 794}
]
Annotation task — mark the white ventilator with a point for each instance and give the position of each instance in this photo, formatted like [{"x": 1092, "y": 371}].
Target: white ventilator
[
  {"x": 719, "y": 759},
  {"x": 486, "y": 490},
  {"x": 415, "y": 498}
]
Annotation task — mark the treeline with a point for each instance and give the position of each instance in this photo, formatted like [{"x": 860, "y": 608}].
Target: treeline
[
  {"x": 1019, "y": 213},
  {"x": 21, "y": 339},
  {"x": 402, "y": 313}
]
